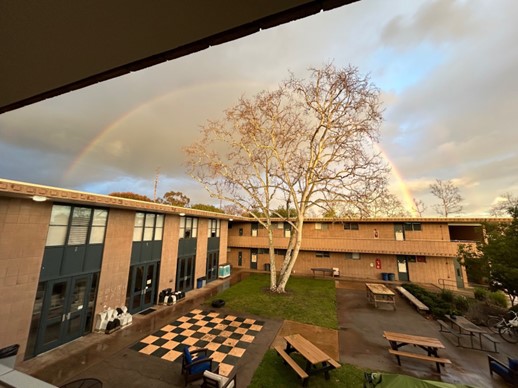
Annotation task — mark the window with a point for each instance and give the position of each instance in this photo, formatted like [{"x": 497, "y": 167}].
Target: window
[
  {"x": 280, "y": 225},
  {"x": 58, "y": 225},
  {"x": 421, "y": 259},
  {"x": 413, "y": 226},
  {"x": 352, "y": 255},
  {"x": 98, "y": 226},
  {"x": 71, "y": 225},
  {"x": 148, "y": 227},
  {"x": 214, "y": 227},
  {"x": 351, "y": 226},
  {"x": 321, "y": 226},
  {"x": 188, "y": 227},
  {"x": 255, "y": 228},
  {"x": 287, "y": 229},
  {"x": 323, "y": 254},
  {"x": 240, "y": 231},
  {"x": 263, "y": 251}
]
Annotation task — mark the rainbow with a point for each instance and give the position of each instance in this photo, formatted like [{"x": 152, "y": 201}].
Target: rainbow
[
  {"x": 408, "y": 199},
  {"x": 402, "y": 187},
  {"x": 145, "y": 105}
]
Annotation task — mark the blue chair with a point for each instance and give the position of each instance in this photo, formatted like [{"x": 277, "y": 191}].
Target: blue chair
[
  {"x": 508, "y": 372},
  {"x": 194, "y": 363}
]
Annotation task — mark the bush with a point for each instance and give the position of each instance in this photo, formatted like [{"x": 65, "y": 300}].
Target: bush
[
  {"x": 481, "y": 293},
  {"x": 461, "y": 303},
  {"x": 447, "y": 296},
  {"x": 498, "y": 298},
  {"x": 439, "y": 304}
]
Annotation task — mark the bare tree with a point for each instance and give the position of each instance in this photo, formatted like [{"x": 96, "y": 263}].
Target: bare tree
[
  {"x": 418, "y": 206},
  {"x": 304, "y": 144},
  {"x": 382, "y": 204},
  {"x": 502, "y": 208},
  {"x": 449, "y": 197}
]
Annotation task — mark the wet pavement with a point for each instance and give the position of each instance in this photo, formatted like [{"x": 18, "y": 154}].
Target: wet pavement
[{"x": 359, "y": 342}]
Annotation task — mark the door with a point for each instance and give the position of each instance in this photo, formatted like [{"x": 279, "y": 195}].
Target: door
[
  {"x": 212, "y": 266},
  {"x": 399, "y": 232},
  {"x": 458, "y": 274},
  {"x": 142, "y": 286},
  {"x": 64, "y": 312},
  {"x": 253, "y": 261},
  {"x": 402, "y": 268},
  {"x": 185, "y": 274}
]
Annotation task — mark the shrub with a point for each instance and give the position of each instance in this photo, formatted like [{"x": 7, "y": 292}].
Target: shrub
[
  {"x": 461, "y": 303},
  {"x": 447, "y": 296},
  {"x": 498, "y": 298},
  {"x": 481, "y": 293}
]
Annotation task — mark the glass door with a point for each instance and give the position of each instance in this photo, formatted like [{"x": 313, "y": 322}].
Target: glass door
[
  {"x": 402, "y": 268},
  {"x": 64, "y": 312},
  {"x": 141, "y": 287},
  {"x": 185, "y": 274},
  {"x": 212, "y": 266}
]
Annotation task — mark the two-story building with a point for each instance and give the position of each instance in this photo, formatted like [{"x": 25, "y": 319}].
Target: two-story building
[{"x": 65, "y": 256}]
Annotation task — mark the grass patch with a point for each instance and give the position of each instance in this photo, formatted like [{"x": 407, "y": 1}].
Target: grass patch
[
  {"x": 307, "y": 300},
  {"x": 272, "y": 373}
]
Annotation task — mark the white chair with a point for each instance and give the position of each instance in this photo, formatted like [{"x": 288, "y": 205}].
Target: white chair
[{"x": 213, "y": 380}]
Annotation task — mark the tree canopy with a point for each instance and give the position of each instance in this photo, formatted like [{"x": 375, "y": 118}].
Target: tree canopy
[
  {"x": 495, "y": 260},
  {"x": 308, "y": 143},
  {"x": 130, "y": 195}
]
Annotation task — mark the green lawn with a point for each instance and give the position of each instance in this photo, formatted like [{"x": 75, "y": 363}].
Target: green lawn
[
  {"x": 272, "y": 373},
  {"x": 307, "y": 300}
]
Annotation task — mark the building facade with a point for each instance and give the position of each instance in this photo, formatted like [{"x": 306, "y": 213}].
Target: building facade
[
  {"x": 407, "y": 249},
  {"x": 66, "y": 256}
]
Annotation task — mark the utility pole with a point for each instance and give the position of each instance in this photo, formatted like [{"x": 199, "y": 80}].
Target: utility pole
[{"x": 156, "y": 183}]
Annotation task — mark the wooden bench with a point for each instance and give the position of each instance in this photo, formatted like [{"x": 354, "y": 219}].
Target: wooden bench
[
  {"x": 291, "y": 362},
  {"x": 438, "y": 360},
  {"x": 411, "y": 298},
  {"x": 325, "y": 271},
  {"x": 445, "y": 328},
  {"x": 490, "y": 339}
]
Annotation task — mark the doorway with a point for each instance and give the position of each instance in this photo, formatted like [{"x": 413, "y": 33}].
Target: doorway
[
  {"x": 142, "y": 287},
  {"x": 67, "y": 310},
  {"x": 185, "y": 273},
  {"x": 402, "y": 268}
]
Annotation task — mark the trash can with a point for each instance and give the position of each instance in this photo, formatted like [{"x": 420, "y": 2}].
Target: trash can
[
  {"x": 384, "y": 276},
  {"x": 267, "y": 267},
  {"x": 391, "y": 276},
  {"x": 199, "y": 283},
  {"x": 8, "y": 355}
]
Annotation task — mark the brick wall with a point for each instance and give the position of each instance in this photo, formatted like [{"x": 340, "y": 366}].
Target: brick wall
[{"x": 23, "y": 232}]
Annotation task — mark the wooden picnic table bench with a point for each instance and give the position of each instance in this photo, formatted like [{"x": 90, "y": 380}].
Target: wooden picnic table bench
[
  {"x": 325, "y": 271},
  {"x": 379, "y": 293},
  {"x": 316, "y": 360},
  {"x": 412, "y": 299},
  {"x": 429, "y": 344}
]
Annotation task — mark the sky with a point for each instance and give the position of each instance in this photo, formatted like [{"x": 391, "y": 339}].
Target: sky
[{"x": 446, "y": 70}]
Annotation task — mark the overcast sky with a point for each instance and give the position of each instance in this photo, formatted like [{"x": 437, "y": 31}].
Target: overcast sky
[{"x": 446, "y": 70}]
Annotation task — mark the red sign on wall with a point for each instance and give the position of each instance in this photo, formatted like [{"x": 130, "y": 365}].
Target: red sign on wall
[{"x": 378, "y": 264}]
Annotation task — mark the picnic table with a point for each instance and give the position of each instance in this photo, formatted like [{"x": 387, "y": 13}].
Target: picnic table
[
  {"x": 317, "y": 361},
  {"x": 466, "y": 327},
  {"x": 379, "y": 293},
  {"x": 324, "y": 271},
  {"x": 429, "y": 344}
]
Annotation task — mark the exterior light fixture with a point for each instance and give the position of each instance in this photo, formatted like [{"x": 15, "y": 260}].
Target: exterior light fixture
[
  {"x": 182, "y": 214},
  {"x": 39, "y": 198},
  {"x": 230, "y": 219}
]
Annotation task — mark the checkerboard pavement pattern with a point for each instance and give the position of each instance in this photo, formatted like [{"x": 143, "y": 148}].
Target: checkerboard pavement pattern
[{"x": 225, "y": 336}]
